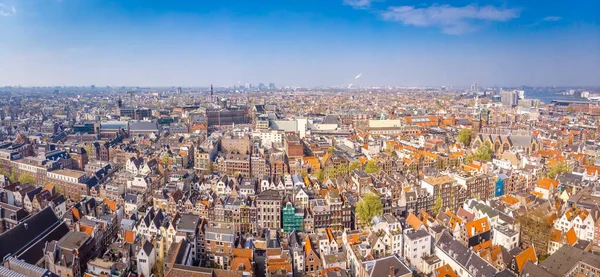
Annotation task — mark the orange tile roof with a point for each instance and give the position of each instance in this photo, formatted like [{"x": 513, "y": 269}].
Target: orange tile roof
[
  {"x": 355, "y": 238},
  {"x": 445, "y": 271},
  {"x": 457, "y": 154},
  {"x": 482, "y": 246},
  {"x": 307, "y": 246},
  {"x": 76, "y": 213},
  {"x": 312, "y": 161},
  {"x": 326, "y": 157},
  {"x": 592, "y": 170},
  {"x": 584, "y": 214},
  {"x": 414, "y": 221},
  {"x": 279, "y": 264},
  {"x": 547, "y": 183},
  {"x": 86, "y": 229},
  {"x": 49, "y": 186},
  {"x": 478, "y": 226},
  {"x": 129, "y": 236},
  {"x": 550, "y": 219},
  {"x": 538, "y": 194},
  {"x": 571, "y": 236},
  {"x": 330, "y": 235},
  {"x": 556, "y": 235},
  {"x": 429, "y": 155},
  {"x": 239, "y": 262},
  {"x": 112, "y": 205},
  {"x": 509, "y": 199},
  {"x": 362, "y": 160},
  {"x": 242, "y": 253},
  {"x": 454, "y": 220},
  {"x": 526, "y": 255}
]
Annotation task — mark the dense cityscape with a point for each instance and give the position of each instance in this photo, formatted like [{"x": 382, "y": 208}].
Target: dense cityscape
[
  {"x": 278, "y": 181},
  {"x": 299, "y": 138}
]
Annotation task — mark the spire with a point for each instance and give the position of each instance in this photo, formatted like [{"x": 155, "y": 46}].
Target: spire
[{"x": 211, "y": 90}]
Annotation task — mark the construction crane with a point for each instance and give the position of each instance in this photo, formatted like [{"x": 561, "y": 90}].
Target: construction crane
[{"x": 131, "y": 92}]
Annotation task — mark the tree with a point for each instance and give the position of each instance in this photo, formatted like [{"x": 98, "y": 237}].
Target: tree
[
  {"x": 437, "y": 206},
  {"x": 354, "y": 165},
  {"x": 389, "y": 147},
  {"x": 159, "y": 268},
  {"x": 369, "y": 207},
  {"x": 332, "y": 172},
  {"x": 342, "y": 170},
  {"x": 88, "y": 149},
  {"x": 557, "y": 169},
  {"x": 13, "y": 177},
  {"x": 320, "y": 175},
  {"x": 464, "y": 136},
  {"x": 331, "y": 149},
  {"x": 26, "y": 178},
  {"x": 165, "y": 159},
  {"x": 372, "y": 167},
  {"x": 483, "y": 152}
]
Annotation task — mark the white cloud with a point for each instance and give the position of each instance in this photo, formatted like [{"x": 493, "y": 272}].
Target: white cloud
[
  {"x": 6, "y": 10},
  {"x": 451, "y": 20},
  {"x": 360, "y": 4},
  {"x": 546, "y": 19},
  {"x": 552, "y": 18}
]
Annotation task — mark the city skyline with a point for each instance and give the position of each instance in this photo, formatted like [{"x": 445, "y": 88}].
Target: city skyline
[{"x": 303, "y": 43}]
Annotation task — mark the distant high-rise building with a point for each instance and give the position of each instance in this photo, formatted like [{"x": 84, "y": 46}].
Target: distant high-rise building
[
  {"x": 93, "y": 86},
  {"x": 261, "y": 86},
  {"x": 178, "y": 90},
  {"x": 509, "y": 98},
  {"x": 443, "y": 88},
  {"x": 120, "y": 103},
  {"x": 474, "y": 87},
  {"x": 271, "y": 85}
]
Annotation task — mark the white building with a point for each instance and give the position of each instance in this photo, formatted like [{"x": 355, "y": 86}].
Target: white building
[
  {"x": 417, "y": 245},
  {"x": 146, "y": 258},
  {"x": 507, "y": 237}
]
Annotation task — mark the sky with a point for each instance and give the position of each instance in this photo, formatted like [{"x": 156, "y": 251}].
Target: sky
[{"x": 299, "y": 42}]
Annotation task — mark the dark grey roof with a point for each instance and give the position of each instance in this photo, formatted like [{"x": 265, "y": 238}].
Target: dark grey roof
[
  {"x": 381, "y": 267},
  {"x": 506, "y": 273},
  {"x": 520, "y": 141},
  {"x": 148, "y": 247},
  {"x": 417, "y": 234},
  {"x": 330, "y": 119},
  {"x": 570, "y": 178},
  {"x": 188, "y": 223},
  {"x": 269, "y": 195},
  {"x": 143, "y": 126},
  {"x": 566, "y": 257},
  {"x": 532, "y": 270},
  {"x": 28, "y": 233},
  {"x": 464, "y": 256}
]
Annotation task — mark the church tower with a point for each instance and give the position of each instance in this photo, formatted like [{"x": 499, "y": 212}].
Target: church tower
[{"x": 476, "y": 115}]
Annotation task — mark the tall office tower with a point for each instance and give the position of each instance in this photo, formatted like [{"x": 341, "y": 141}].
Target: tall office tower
[
  {"x": 178, "y": 90},
  {"x": 271, "y": 85},
  {"x": 509, "y": 98},
  {"x": 474, "y": 87}
]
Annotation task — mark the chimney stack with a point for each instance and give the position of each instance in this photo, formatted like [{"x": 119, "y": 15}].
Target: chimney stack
[{"x": 392, "y": 271}]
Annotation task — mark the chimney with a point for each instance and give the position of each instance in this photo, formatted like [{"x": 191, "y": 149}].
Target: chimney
[{"x": 392, "y": 271}]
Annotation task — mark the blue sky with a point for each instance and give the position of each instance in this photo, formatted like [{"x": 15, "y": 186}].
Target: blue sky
[{"x": 304, "y": 42}]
